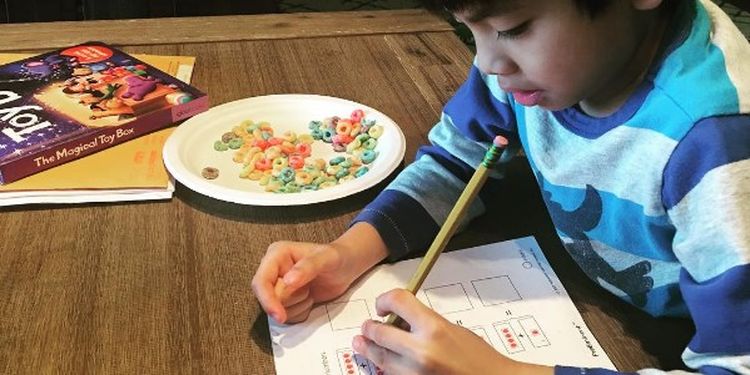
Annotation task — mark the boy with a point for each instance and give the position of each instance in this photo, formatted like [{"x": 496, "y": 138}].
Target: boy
[{"x": 635, "y": 117}]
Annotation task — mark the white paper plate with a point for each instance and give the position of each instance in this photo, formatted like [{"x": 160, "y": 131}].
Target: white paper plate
[{"x": 190, "y": 147}]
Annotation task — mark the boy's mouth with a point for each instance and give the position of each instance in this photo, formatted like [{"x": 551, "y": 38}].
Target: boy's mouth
[{"x": 527, "y": 98}]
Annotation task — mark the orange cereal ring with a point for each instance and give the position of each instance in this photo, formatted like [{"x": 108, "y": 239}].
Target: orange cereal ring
[
  {"x": 343, "y": 139},
  {"x": 287, "y": 148},
  {"x": 263, "y": 164},
  {"x": 273, "y": 141},
  {"x": 296, "y": 161},
  {"x": 344, "y": 127},
  {"x": 356, "y": 129},
  {"x": 303, "y": 149},
  {"x": 238, "y": 157}
]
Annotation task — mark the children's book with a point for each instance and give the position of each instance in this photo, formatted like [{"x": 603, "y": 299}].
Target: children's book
[
  {"x": 129, "y": 171},
  {"x": 62, "y": 105},
  {"x": 506, "y": 293}
]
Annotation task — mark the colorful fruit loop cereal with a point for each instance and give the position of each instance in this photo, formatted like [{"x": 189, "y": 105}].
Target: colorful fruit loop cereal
[{"x": 284, "y": 164}]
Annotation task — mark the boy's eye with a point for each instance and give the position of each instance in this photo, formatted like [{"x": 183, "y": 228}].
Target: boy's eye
[{"x": 514, "y": 32}]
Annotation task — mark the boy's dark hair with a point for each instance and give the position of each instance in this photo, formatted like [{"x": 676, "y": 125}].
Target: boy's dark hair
[{"x": 590, "y": 7}]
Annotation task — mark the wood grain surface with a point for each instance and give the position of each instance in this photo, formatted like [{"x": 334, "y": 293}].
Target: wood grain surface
[{"x": 164, "y": 287}]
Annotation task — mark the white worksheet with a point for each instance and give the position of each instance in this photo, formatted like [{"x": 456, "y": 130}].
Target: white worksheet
[{"x": 505, "y": 292}]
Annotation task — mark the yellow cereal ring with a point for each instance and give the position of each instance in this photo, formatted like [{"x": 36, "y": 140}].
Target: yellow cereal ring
[
  {"x": 239, "y": 157},
  {"x": 353, "y": 145},
  {"x": 289, "y": 136},
  {"x": 303, "y": 178},
  {"x": 375, "y": 131},
  {"x": 327, "y": 184},
  {"x": 246, "y": 170},
  {"x": 305, "y": 138},
  {"x": 273, "y": 152},
  {"x": 279, "y": 163},
  {"x": 348, "y": 177},
  {"x": 255, "y": 175},
  {"x": 333, "y": 169}
]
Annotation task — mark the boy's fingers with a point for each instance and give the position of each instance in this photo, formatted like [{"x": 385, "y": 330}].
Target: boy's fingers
[
  {"x": 300, "y": 311},
  {"x": 405, "y": 305},
  {"x": 289, "y": 298},
  {"x": 392, "y": 338},
  {"x": 264, "y": 287}
]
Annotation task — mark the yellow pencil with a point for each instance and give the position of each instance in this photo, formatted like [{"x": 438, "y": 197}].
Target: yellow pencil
[{"x": 493, "y": 155}]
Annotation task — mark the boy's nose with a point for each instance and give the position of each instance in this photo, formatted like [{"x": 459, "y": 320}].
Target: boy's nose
[{"x": 493, "y": 63}]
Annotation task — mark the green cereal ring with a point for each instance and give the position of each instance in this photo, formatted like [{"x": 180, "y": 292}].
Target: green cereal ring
[
  {"x": 310, "y": 188},
  {"x": 337, "y": 160},
  {"x": 367, "y": 122},
  {"x": 317, "y": 134},
  {"x": 375, "y": 131},
  {"x": 328, "y": 135},
  {"x": 236, "y": 143},
  {"x": 345, "y": 164},
  {"x": 342, "y": 173},
  {"x": 318, "y": 180},
  {"x": 273, "y": 185},
  {"x": 369, "y": 156},
  {"x": 314, "y": 124},
  {"x": 361, "y": 171},
  {"x": 370, "y": 144},
  {"x": 286, "y": 175},
  {"x": 332, "y": 170},
  {"x": 362, "y": 138},
  {"x": 220, "y": 146}
]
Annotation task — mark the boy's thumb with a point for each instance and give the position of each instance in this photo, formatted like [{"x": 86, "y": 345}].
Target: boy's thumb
[{"x": 307, "y": 269}]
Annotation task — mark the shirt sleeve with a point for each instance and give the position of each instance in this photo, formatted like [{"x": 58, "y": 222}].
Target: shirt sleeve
[{"x": 409, "y": 212}]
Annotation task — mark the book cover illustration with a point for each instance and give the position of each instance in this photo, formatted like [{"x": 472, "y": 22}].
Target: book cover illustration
[{"x": 61, "y": 105}]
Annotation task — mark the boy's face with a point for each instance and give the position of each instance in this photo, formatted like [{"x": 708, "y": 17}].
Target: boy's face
[{"x": 552, "y": 54}]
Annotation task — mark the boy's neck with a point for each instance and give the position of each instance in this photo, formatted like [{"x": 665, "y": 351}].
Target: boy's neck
[{"x": 626, "y": 82}]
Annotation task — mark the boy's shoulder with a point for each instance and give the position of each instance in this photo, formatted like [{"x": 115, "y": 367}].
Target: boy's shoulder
[{"x": 705, "y": 72}]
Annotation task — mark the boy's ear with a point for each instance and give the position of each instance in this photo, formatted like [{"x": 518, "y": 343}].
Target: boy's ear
[{"x": 646, "y": 4}]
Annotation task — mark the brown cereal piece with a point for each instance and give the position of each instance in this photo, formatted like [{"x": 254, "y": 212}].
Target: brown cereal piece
[
  {"x": 210, "y": 173},
  {"x": 228, "y": 136}
]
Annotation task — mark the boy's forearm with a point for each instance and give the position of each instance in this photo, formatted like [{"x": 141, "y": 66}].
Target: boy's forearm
[{"x": 362, "y": 248}]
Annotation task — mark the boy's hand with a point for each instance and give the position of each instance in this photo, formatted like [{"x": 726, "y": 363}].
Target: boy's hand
[
  {"x": 293, "y": 276},
  {"x": 432, "y": 345}
]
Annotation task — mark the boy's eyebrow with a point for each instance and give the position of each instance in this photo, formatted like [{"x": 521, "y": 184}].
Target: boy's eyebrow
[{"x": 495, "y": 8}]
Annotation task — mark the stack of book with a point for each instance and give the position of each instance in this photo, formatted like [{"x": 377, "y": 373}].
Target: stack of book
[{"x": 90, "y": 99}]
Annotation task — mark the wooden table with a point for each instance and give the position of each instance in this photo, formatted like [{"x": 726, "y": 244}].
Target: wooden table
[{"x": 164, "y": 287}]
